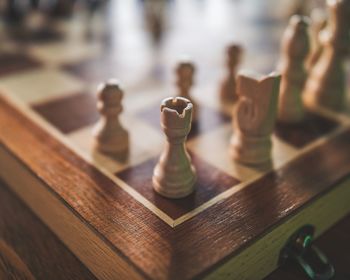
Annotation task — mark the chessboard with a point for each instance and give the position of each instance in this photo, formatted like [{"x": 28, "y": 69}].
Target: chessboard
[{"x": 105, "y": 210}]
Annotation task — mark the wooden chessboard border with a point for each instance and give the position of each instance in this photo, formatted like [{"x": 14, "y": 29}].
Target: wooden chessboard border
[{"x": 293, "y": 186}]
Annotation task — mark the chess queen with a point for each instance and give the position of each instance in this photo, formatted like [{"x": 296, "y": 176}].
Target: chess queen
[{"x": 174, "y": 176}]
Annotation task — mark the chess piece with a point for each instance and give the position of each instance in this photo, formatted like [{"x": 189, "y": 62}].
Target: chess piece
[
  {"x": 254, "y": 119},
  {"x": 228, "y": 88},
  {"x": 295, "y": 48},
  {"x": 110, "y": 136},
  {"x": 174, "y": 175},
  {"x": 298, "y": 7},
  {"x": 184, "y": 73},
  {"x": 154, "y": 16},
  {"x": 326, "y": 84},
  {"x": 318, "y": 23}
]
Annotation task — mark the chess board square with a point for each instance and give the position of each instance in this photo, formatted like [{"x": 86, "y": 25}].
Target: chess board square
[
  {"x": 40, "y": 85},
  {"x": 91, "y": 70},
  {"x": 69, "y": 113},
  {"x": 301, "y": 134},
  {"x": 46, "y": 35},
  {"x": 210, "y": 183},
  {"x": 213, "y": 147},
  {"x": 11, "y": 63},
  {"x": 69, "y": 51},
  {"x": 140, "y": 151},
  {"x": 208, "y": 119}
]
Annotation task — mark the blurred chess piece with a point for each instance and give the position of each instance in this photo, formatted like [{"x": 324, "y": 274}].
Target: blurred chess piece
[
  {"x": 174, "y": 175},
  {"x": 93, "y": 8},
  {"x": 35, "y": 21},
  {"x": 63, "y": 8},
  {"x": 326, "y": 85},
  {"x": 254, "y": 119},
  {"x": 295, "y": 48},
  {"x": 228, "y": 88},
  {"x": 110, "y": 136},
  {"x": 185, "y": 71},
  {"x": 298, "y": 7},
  {"x": 154, "y": 11},
  {"x": 318, "y": 23}
]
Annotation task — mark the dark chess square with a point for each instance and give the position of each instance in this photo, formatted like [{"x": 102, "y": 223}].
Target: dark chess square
[
  {"x": 11, "y": 63},
  {"x": 301, "y": 134},
  {"x": 210, "y": 183},
  {"x": 70, "y": 113}
]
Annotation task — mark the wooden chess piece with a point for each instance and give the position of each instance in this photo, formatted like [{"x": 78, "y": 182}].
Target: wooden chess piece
[
  {"x": 154, "y": 16},
  {"x": 110, "y": 136},
  {"x": 318, "y": 23},
  {"x": 184, "y": 73},
  {"x": 228, "y": 88},
  {"x": 254, "y": 119},
  {"x": 295, "y": 48},
  {"x": 326, "y": 84},
  {"x": 174, "y": 176},
  {"x": 298, "y": 7}
]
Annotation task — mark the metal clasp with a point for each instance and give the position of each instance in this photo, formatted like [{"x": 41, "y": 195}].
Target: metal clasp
[{"x": 300, "y": 249}]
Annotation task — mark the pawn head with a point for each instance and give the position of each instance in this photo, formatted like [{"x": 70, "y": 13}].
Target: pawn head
[
  {"x": 109, "y": 91},
  {"x": 185, "y": 69}
]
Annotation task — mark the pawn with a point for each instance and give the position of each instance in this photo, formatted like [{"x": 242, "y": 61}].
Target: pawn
[
  {"x": 254, "y": 119},
  {"x": 174, "y": 176},
  {"x": 184, "y": 74},
  {"x": 326, "y": 85},
  {"x": 228, "y": 88},
  {"x": 110, "y": 137},
  {"x": 295, "y": 48}
]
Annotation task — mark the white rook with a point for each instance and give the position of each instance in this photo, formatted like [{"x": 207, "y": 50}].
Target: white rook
[{"x": 174, "y": 176}]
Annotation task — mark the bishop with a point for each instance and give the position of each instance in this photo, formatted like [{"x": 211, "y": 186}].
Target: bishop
[{"x": 295, "y": 48}]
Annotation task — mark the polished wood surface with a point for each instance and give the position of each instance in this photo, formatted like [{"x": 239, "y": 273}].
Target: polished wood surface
[
  {"x": 91, "y": 195},
  {"x": 46, "y": 257},
  {"x": 28, "y": 249},
  {"x": 112, "y": 223}
]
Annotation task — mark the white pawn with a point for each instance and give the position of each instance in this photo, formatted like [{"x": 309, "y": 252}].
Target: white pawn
[
  {"x": 174, "y": 176},
  {"x": 254, "y": 119},
  {"x": 185, "y": 71},
  {"x": 295, "y": 48},
  {"x": 110, "y": 136},
  {"x": 326, "y": 85},
  {"x": 228, "y": 87}
]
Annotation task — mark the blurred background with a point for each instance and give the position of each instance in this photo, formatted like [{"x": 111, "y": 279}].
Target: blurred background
[{"x": 139, "y": 42}]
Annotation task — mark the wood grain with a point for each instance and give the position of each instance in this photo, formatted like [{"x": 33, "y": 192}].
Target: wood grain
[
  {"x": 28, "y": 249},
  {"x": 158, "y": 251}
]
